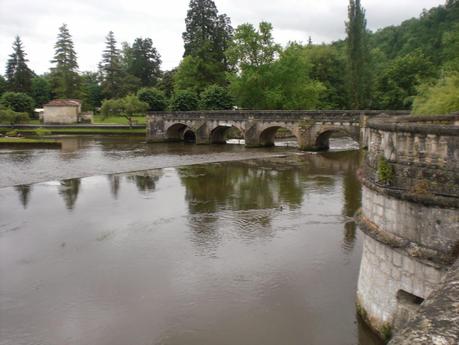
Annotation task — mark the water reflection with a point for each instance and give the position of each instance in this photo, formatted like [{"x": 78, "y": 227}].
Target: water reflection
[
  {"x": 24, "y": 194},
  {"x": 114, "y": 181},
  {"x": 145, "y": 181},
  {"x": 69, "y": 190}
]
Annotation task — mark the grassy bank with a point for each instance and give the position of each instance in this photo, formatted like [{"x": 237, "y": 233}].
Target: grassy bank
[
  {"x": 76, "y": 130},
  {"x": 117, "y": 120},
  {"x": 29, "y": 142}
]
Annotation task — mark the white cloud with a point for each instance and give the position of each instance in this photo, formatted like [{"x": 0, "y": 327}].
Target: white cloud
[{"x": 37, "y": 22}]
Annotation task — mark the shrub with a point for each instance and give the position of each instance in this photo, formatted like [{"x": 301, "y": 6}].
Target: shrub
[
  {"x": 155, "y": 98},
  {"x": 18, "y": 102},
  {"x": 385, "y": 171},
  {"x": 12, "y": 133},
  {"x": 41, "y": 132},
  {"x": 216, "y": 98},
  {"x": 184, "y": 100},
  {"x": 127, "y": 107},
  {"x": 12, "y": 117}
]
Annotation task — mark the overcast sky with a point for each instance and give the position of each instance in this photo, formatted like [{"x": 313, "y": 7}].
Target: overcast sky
[{"x": 37, "y": 22}]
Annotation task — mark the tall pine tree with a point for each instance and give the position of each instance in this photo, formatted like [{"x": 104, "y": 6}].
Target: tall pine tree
[
  {"x": 358, "y": 56},
  {"x": 206, "y": 38},
  {"x": 110, "y": 69},
  {"x": 65, "y": 80},
  {"x": 143, "y": 62},
  {"x": 18, "y": 75}
]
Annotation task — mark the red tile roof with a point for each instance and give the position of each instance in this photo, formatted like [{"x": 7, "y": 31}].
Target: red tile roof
[{"x": 63, "y": 103}]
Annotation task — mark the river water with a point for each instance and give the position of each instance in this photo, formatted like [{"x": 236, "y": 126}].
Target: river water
[{"x": 253, "y": 251}]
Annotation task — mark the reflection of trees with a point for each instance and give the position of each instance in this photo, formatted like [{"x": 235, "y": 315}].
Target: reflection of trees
[
  {"x": 24, "y": 194},
  {"x": 145, "y": 181},
  {"x": 114, "y": 181},
  {"x": 69, "y": 190}
]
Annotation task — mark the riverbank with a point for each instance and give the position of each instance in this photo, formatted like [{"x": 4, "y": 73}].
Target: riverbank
[
  {"x": 94, "y": 129},
  {"x": 26, "y": 142}
]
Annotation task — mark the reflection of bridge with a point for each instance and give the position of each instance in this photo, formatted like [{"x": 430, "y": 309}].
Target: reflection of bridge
[{"x": 312, "y": 129}]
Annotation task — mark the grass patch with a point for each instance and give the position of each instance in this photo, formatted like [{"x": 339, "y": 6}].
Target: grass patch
[
  {"x": 118, "y": 120},
  {"x": 27, "y": 141},
  {"x": 74, "y": 130}
]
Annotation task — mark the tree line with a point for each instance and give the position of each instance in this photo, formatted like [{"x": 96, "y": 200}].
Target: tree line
[{"x": 414, "y": 65}]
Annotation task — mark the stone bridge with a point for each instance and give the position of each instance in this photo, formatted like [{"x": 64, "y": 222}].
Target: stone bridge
[{"x": 312, "y": 129}]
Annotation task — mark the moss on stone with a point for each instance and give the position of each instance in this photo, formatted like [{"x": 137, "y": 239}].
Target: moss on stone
[{"x": 385, "y": 171}]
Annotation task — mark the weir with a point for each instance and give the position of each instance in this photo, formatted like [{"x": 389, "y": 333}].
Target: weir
[{"x": 311, "y": 129}]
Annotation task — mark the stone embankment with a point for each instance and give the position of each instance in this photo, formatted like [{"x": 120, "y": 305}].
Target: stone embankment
[{"x": 410, "y": 220}]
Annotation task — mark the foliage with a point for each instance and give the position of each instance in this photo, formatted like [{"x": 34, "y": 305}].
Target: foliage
[
  {"x": 282, "y": 84},
  {"x": 41, "y": 132},
  {"x": 385, "y": 171},
  {"x": 143, "y": 61},
  {"x": 3, "y": 85},
  {"x": 206, "y": 38},
  {"x": 166, "y": 83},
  {"x": 215, "y": 98},
  {"x": 110, "y": 69},
  {"x": 184, "y": 100},
  {"x": 439, "y": 98},
  {"x": 127, "y": 107},
  {"x": 91, "y": 91},
  {"x": 12, "y": 133},
  {"x": 18, "y": 102},
  {"x": 12, "y": 117},
  {"x": 396, "y": 85},
  {"x": 41, "y": 90},
  {"x": 65, "y": 80},
  {"x": 252, "y": 48},
  {"x": 18, "y": 74},
  {"x": 155, "y": 98},
  {"x": 357, "y": 56}
]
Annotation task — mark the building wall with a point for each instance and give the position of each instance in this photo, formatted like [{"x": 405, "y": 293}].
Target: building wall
[{"x": 60, "y": 115}]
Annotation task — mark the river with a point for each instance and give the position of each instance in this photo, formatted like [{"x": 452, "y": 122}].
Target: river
[{"x": 211, "y": 247}]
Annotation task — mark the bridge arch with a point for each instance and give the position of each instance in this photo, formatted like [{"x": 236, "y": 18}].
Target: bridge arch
[
  {"x": 218, "y": 135},
  {"x": 322, "y": 140},
  {"x": 268, "y": 135},
  {"x": 177, "y": 131}
]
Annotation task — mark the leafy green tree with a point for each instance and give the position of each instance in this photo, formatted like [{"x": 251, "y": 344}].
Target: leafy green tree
[
  {"x": 18, "y": 102},
  {"x": 3, "y": 85},
  {"x": 18, "y": 74},
  {"x": 184, "y": 100},
  {"x": 358, "y": 56},
  {"x": 396, "y": 85},
  {"x": 439, "y": 98},
  {"x": 110, "y": 69},
  {"x": 189, "y": 74},
  {"x": 206, "y": 38},
  {"x": 11, "y": 117},
  {"x": 127, "y": 107},
  {"x": 41, "y": 90},
  {"x": 167, "y": 82},
  {"x": 216, "y": 97},
  {"x": 91, "y": 91},
  {"x": 155, "y": 98},
  {"x": 65, "y": 80},
  {"x": 251, "y": 47},
  {"x": 143, "y": 61}
]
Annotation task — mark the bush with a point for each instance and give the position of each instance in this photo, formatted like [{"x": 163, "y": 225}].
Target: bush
[
  {"x": 438, "y": 99},
  {"x": 12, "y": 117},
  {"x": 385, "y": 171},
  {"x": 155, "y": 98},
  {"x": 216, "y": 98},
  {"x": 12, "y": 133},
  {"x": 18, "y": 102},
  {"x": 184, "y": 100},
  {"x": 41, "y": 132},
  {"x": 127, "y": 107}
]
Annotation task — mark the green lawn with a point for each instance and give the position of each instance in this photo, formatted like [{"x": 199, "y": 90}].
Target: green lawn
[
  {"x": 27, "y": 141},
  {"x": 119, "y": 120}
]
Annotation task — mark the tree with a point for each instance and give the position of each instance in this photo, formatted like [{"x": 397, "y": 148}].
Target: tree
[
  {"x": 397, "y": 83},
  {"x": 439, "y": 98},
  {"x": 357, "y": 56},
  {"x": 18, "y": 74},
  {"x": 41, "y": 91},
  {"x": 167, "y": 82},
  {"x": 155, "y": 98},
  {"x": 206, "y": 39},
  {"x": 3, "y": 85},
  {"x": 127, "y": 107},
  {"x": 18, "y": 101},
  {"x": 215, "y": 97},
  {"x": 65, "y": 81},
  {"x": 184, "y": 100},
  {"x": 143, "y": 61},
  {"x": 110, "y": 69},
  {"x": 91, "y": 91}
]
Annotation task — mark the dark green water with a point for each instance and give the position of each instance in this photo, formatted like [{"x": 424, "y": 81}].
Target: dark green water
[{"x": 246, "y": 252}]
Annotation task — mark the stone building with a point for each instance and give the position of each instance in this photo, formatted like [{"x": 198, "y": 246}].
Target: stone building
[{"x": 62, "y": 111}]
